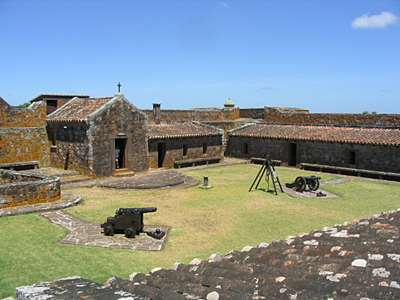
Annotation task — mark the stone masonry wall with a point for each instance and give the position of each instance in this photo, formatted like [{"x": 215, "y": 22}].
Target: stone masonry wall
[
  {"x": 23, "y": 134},
  {"x": 69, "y": 146},
  {"x": 199, "y": 115},
  {"x": 273, "y": 116},
  {"x": 368, "y": 157},
  {"x": 19, "y": 188},
  {"x": 174, "y": 149}
]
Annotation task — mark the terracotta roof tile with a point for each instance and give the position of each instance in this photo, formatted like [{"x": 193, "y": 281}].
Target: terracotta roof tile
[
  {"x": 179, "y": 130},
  {"x": 357, "y": 260},
  {"x": 321, "y": 133},
  {"x": 78, "y": 109}
]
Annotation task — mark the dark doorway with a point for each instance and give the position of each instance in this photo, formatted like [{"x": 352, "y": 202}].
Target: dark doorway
[
  {"x": 292, "y": 155},
  {"x": 120, "y": 153},
  {"x": 162, "y": 149},
  {"x": 352, "y": 157},
  {"x": 51, "y": 106}
]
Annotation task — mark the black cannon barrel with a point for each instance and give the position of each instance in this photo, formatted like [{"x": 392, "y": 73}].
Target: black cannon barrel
[
  {"x": 136, "y": 210},
  {"x": 312, "y": 177}
]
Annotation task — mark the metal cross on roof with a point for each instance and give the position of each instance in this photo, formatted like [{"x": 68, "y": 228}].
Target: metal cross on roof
[{"x": 119, "y": 87}]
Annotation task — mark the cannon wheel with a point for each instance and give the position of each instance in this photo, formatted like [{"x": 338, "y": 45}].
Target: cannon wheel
[
  {"x": 300, "y": 183},
  {"x": 130, "y": 232},
  {"x": 314, "y": 185},
  {"x": 109, "y": 230}
]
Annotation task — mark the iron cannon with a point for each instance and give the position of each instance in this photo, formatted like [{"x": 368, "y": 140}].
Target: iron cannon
[
  {"x": 126, "y": 220},
  {"x": 302, "y": 182}
]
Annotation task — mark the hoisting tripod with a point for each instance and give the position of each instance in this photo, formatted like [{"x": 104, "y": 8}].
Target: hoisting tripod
[{"x": 270, "y": 169}]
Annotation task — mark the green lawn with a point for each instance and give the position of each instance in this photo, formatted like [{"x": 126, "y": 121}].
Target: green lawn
[{"x": 203, "y": 221}]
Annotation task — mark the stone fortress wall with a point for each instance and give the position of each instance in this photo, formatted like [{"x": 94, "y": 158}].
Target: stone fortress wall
[
  {"x": 276, "y": 115},
  {"x": 23, "y": 135}
]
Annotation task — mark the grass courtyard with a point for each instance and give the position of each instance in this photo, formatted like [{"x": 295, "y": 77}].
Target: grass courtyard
[{"x": 203, "y": 222}]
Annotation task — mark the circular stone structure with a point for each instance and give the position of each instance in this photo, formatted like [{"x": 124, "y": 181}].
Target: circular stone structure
[{"x": 150, "y": 180}]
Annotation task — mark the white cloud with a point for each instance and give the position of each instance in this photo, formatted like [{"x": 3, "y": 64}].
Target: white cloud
[
  {"x": 223, "y": 5},
  {"x": 375, "y": 21}
]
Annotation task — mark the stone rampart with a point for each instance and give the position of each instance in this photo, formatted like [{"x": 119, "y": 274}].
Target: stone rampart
[
  {"x": 19, "y": 188},
  {"x": 252, "y": 113},
  {"x": 199, "y": 115},
  {"x": 274, "y": 116}
]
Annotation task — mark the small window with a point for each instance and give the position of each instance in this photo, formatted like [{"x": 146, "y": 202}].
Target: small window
[
  {"x": 204, "y": 148},
  {"x": 185, "y": 149},
  {"x": 246, "y": 148}
]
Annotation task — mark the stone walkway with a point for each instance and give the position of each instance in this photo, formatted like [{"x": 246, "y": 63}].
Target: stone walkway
[
  {"x": 150, "y": 180},
  {"x": 155, "y": 179},
  {"x": 90, "y": 234}
]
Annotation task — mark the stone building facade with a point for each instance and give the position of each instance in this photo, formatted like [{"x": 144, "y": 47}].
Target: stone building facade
[
  {"x": 184, "y": 143},
  {"x": 361, "y": 148},
  {"x": 86, "y": 132}
]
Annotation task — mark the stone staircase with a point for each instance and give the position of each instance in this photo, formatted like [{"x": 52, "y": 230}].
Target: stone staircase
[{"x": 124, "y": 172}]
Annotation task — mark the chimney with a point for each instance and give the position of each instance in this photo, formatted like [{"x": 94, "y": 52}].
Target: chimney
[{"x": 157, "y": 112}]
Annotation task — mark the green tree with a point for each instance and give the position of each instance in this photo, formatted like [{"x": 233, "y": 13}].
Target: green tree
[{"x": 25, "y": 105}]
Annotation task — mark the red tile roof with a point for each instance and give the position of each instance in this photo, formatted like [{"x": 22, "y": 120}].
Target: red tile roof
[
  {"x": 373, "y": 136},
  {"x": 179, "y": 130},
  {"x": 78, "y": 109}
]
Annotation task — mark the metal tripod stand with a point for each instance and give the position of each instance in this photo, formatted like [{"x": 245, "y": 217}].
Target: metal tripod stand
[{"x": 270, "y": 169}]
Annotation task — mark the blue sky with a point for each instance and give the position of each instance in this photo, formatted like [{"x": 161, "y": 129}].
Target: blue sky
[{"x": 325, "y": 56}]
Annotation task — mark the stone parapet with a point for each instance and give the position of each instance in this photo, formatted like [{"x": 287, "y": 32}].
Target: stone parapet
[{"x": 19, "y": 188}]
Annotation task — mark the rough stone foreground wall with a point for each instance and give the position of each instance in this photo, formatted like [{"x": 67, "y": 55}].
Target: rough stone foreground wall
[
  {"x": 19, "y": 188},
  {"x": 23, "y": 134},
  {"x": 174, "y": 149},
  {"x": 199, "y": 115},
  {"x": 367, "y": 157},
  {"x": 274, "y": 116}
]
